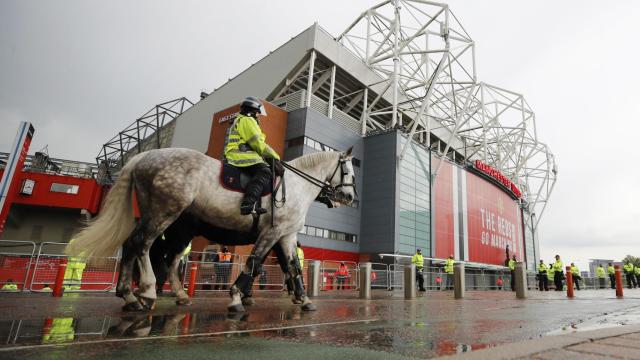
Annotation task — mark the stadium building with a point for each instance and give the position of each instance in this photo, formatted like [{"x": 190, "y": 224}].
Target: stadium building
[{"x": 444, "y": 162}]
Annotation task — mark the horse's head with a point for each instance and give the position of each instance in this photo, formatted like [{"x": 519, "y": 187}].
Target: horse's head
[{"x": 343, "y": 179}]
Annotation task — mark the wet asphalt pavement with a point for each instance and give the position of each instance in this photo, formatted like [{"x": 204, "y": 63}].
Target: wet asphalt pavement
[{"x": 34, "y": 326}]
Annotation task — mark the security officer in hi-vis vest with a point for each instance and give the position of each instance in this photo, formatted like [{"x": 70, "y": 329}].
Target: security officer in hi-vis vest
[{"x": 245, "y": 147}]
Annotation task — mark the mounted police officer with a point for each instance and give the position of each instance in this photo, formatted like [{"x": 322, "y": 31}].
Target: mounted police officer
[{"x": 245, "y": 147}]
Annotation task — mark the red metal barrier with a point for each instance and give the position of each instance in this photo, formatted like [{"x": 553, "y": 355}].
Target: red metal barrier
[
  {"x": 569, "y": 282},
  {"x": 618, "y": 281},
  {"x": 192, "y": 279},
  {"x": 57, "y": 288}
]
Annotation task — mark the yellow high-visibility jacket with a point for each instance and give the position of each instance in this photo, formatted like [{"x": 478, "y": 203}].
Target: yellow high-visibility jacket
[
  {"x": 557, "y": 266},
  {"x": 245, "y": 143},
  {"x": 575, "y": 270},
  {"x": 611, "y": 269},
  {"x": 512, "y": 264},
  {"x": 418, "y": 260},
  {"x": 300, "y": 254},
  {"x": 448, "y": 266},
  {"x": 600, "y": 272},
  {"x": 542, "y": 269}
]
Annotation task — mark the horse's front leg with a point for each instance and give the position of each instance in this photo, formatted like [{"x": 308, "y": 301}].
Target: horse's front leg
[
  {"x": 294, "y": 271},
  {"x": 241, "y": 288}
]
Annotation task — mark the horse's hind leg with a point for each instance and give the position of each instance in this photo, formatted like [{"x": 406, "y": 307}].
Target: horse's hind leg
[{"x": 125, "y": 277}]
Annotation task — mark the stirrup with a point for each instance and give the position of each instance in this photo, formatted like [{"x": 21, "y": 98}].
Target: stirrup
[{"x": 252, "y": 210}]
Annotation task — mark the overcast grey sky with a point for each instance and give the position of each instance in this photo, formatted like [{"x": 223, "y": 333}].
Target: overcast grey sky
[{"x": 83, "y": 70}]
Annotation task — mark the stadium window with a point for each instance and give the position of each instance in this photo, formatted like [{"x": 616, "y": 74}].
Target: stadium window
[
  {"x": 328, "y": 234},
  {"x": 64, "y": 188}
]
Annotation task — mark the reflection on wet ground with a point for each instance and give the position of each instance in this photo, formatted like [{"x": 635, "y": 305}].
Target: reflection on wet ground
[{"x": 426, "y": 327}]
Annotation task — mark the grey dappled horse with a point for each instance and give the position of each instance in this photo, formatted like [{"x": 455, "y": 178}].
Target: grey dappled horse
[{"x": 170, "y": 182}]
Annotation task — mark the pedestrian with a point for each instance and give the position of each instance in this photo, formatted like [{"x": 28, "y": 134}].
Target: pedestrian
[
  {"x": 448, "y": 270},
  {"x": 418, "y": 261},
  {"x": 575, "y": 275},
  {"x": 73, "y": 273},
  {"x": 551, "y": 274},
  {"x": 512, "y": 269},
  {"x": 543, "y": 279},
  {"x": 629, "y": 272},
  {"x": 341, "y": 276},
  {"x": 262, "y": 280},
  {"x": 9, "y": 286},
  {"x": 612, "y": 275},
  {"x": 600, "y": 274},
  {"x": 557, "y": 273},
  {"x": 224, "y": 269},
  {"x": 637, "y": 271},
  {"x": 300, "y": 254}
]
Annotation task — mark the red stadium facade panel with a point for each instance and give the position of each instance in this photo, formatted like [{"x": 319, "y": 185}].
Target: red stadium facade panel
[
  {"x": 60, "y": 191},
  {"x": 443, "y": 204}
]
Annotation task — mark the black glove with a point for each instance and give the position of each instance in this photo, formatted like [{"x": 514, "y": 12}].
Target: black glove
[{"x": 276, "y": 165}]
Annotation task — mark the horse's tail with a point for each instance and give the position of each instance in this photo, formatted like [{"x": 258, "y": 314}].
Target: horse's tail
[{"x": 109, "y": 230}]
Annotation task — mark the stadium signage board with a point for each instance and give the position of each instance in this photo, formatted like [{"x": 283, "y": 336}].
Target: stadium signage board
[{"x": 498, "y": 177}]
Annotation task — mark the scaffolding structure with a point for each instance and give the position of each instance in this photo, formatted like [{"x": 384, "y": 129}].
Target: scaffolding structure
[
  {"x": 429, "y": 85},
  {"x": 152, "y": 130}
]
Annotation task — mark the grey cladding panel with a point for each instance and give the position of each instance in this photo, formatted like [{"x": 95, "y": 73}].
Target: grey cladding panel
[{"x": 378, "y": 193}]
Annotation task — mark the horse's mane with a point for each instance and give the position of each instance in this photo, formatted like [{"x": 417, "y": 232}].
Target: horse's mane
[{"x": 309, "y": 161}]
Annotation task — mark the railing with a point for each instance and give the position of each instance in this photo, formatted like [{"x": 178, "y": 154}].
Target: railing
[
  {"x": 16, "y": 258},
  {"x": 32, "y": 267},
  {"x": 91, "y": 274}
]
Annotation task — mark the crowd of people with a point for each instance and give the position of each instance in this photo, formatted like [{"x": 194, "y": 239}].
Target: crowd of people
[{"x": 555, "y": 274}]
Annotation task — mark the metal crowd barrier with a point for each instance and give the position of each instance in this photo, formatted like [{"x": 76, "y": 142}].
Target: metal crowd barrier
[
  {"x": 332, "y": 281},
  {"x": 31, "y": 267},
  {"x": 16, "y": 258},
  {"x": 396, "y": 277},
  {"x": 92, "y": 274}
]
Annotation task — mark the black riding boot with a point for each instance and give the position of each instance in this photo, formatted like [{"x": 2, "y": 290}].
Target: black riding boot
[{"x": 261, "y": 176}]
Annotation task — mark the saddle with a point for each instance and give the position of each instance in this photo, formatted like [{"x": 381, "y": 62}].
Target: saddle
[{"x": 234, "y": 179}]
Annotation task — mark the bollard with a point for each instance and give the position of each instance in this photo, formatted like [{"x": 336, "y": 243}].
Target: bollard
[
  {"x": 57, "y": 286},
  {"x": 185, "y": 323},
  {"x": 192, "y": 279},
  {"x": 313, "y": 277},
  {"x": 619, "y": 285},
  {"x": 569, "y": 282},
  {"x": 458, "y": 281},
  {"x": 410, "y": 281},
  {"x": 365, "y": 280},
  {"x": 521, "y": 281}
]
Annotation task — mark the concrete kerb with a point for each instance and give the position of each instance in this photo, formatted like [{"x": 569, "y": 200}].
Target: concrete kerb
[{"x": 544, "y": 344}]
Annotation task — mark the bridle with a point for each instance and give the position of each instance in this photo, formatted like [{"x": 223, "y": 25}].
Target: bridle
[{"x": 326, "y": 189}]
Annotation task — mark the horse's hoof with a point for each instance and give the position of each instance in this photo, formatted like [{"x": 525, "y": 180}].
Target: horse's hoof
[
  {"x": 184, "y": 302},
  {"x": 297, "y": 301},
  {"x": 247, "y": 301},
  {"x": 133, "y": 306},
  {"x": 238, "y": 308},
  {"x": 309, "y": 307},
  {"x": 147, "y": 303}
]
